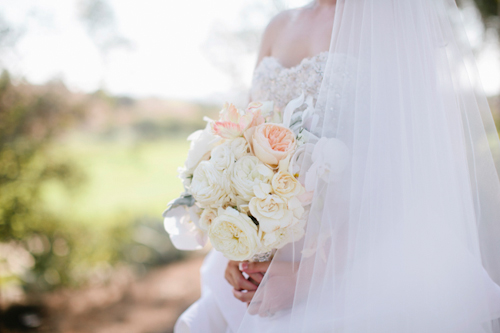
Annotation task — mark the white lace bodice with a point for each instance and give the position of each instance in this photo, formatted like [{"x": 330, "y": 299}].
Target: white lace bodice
[{"x": 274, "y": 82}]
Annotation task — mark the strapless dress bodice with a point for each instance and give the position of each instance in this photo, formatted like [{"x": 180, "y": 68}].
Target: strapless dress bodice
[{"x": 274, "y": 82}]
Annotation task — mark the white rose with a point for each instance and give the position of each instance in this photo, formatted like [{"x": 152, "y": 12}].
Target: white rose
[
  {"x": 202, "y": 143},
  {"x": 286, "y": 185},
  {"x": 208, "y": 186},
  {"x": 222, "y": 157},
  {"x": 248, "y": 171},
  {"x": 282, "y": 237},
  {"x": 270, "y": 210},
  {"x": 295, "y": 206},
  {"x": 239, "y": 147},
  {"x": 234, "y": 234},
  {"x": 207, "y": 217}
]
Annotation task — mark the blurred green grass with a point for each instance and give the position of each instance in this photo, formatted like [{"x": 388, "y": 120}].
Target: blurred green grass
[{"x": 122, "y": 179}]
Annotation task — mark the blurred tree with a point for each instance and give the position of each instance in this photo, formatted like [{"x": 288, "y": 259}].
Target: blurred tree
[
  {"x": 490, "y": 13},
  {"x": 99, "y": 19},
  {"x": 8, "y": 34}
]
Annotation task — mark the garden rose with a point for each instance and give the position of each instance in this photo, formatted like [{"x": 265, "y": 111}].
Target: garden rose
[
  {"x": 271, "y": 143},
  {"x": 248, "y": 172},
  {"x": 202, "y": 143},
  {"x": 270, "y": 210},
  {"x": 286, "y": 185},
  {"x": 234, "y": 234},
  {"x": 281, "y": 237},
  {"x": 239, "y": 147},
  {"x": 209, "y": 186},
  {"x": 222, "y": 157}
]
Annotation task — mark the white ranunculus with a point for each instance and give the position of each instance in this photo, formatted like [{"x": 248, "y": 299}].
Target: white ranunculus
[
  {"x": 208, "y": 186},
  {"x": 207, "y": 217},
  {"x": 270, "y": 210},
  {"x": 222, "y": 157},
  {"x": 239, "y": 147},
  {"x": 248, "y": 171},
  {"x": 234, "y": 234},
  {"x": 202, "y": 143}
]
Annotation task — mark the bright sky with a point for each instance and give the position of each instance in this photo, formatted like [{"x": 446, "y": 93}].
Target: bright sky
[{"x": 166, "y": 58}]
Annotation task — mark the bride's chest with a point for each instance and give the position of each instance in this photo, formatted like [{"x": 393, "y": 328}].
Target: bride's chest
[{"x": 272, "y": 81}]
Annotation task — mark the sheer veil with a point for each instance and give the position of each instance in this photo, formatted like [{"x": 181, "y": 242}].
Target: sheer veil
[{"x": 403, "y": 233}]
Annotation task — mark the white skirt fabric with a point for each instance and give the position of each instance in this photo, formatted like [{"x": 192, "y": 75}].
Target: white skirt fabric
[{"x": 217, "y": 311}]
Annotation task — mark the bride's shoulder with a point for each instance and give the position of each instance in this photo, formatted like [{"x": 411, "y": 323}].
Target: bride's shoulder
[
  {"x": 282, "y": 19},
  {"x": 278, "y": 23},
  {"x": 275, "y": 27}
]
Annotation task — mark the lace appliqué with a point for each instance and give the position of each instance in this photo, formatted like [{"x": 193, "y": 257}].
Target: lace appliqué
[{"x": 272, "y": 81}]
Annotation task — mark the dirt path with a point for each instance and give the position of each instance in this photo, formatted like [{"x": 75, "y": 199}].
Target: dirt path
[{"x": 148, "y": 305}]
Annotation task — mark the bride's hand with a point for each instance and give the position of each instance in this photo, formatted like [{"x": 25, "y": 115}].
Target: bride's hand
[
  {"x": 255, "y": 272},
  {"x": 279, "y": 289},
  {"x": 236, "y": 278}
]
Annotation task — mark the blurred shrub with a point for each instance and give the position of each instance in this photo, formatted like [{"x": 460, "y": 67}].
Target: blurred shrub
[
  {"x": 33, "y": 243},
  {"x": 30, "y": 117},
  {"x": 40, "y": 250}
]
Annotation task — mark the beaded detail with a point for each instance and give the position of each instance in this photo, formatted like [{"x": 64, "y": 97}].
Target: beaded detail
[{"x": 274, "y": 82}]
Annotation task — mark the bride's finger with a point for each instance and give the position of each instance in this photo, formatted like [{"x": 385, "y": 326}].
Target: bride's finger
[
  {"x": 243, "y": 296},
  {"x": 241, "y": 283},
  {"x": 256, "y": 278},
  {"x": 255, "y": 267}
]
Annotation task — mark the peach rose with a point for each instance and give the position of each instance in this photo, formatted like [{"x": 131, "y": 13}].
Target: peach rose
[{"x": 272, "y": 143}]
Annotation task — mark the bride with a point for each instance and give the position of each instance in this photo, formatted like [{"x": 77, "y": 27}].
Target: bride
[{"x": 403, "y": 236}]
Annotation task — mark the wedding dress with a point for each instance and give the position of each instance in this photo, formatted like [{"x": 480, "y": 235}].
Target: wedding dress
[
  {"x": 403, "y": 226},
  {"x": 218, "y": 311},
  {"x": 403, "y": 233}
]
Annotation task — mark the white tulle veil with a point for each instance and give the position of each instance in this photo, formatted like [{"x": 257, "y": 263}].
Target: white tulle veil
[{"x": 406, "y": 236}]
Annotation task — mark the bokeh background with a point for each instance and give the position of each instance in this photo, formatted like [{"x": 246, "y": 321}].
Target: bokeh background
[{"x": 97, "y": 98}]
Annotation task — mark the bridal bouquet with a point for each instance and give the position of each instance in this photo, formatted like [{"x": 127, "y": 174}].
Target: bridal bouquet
[{"x": 241, "y": 190}]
